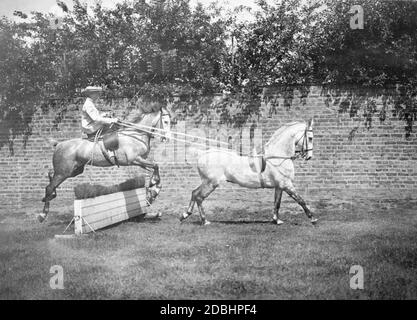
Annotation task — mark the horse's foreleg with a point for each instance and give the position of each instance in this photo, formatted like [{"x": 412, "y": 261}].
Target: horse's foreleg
[
  {"x": 148, "y": 164},
  {"x": 155, "y": 181},
  {"x": 293, "y": 194},
  {"x": 277, "y": 204},
  {"x": 155, "y": 178}
]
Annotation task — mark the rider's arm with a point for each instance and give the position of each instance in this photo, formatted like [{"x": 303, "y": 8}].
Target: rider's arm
[{"x": 95, "y": 115}]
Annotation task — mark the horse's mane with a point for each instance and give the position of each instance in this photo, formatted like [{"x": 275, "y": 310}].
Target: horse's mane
[{"x": 281, "y": 130}]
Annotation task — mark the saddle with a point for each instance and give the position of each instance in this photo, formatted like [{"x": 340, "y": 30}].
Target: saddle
[{"x": 111, "y": 140}]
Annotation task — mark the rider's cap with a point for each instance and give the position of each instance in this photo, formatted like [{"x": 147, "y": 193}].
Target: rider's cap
[{"x": 91, "y": 89}]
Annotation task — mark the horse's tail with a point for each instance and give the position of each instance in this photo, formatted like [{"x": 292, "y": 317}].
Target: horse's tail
[
  {"x": 51, "y": 141},
  {"x": 194, "y": 152}
]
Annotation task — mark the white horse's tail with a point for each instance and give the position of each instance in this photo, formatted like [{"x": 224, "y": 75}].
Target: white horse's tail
[
  {"x": 51, "y": 141},
  {"x": 194, "y": 152}
]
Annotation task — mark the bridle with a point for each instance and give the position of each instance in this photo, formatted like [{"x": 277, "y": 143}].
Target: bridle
[
  {"x": 161, "y": 116},
  {"x": 298, "y": 153},
  {"x": 304, "y": 148}
]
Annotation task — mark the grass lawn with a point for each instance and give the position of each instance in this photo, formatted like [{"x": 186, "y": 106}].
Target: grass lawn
[{"x": 241, "y": 255}]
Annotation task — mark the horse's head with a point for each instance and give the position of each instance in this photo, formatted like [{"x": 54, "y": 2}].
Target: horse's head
[
  {"x": 305, "y": 142},
  {"x": 163, "y": 120}
]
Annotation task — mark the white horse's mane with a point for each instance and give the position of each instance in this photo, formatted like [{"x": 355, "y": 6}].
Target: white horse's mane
[{"x": 278, "y": 133}]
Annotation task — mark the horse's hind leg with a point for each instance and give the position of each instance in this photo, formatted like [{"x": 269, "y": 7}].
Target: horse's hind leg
[
  {"x": 50, "y": 191},
  {"x": 205, "y": 190},
  {"x": 197, "y": 196},
  {"x": 189, "y": 212},
  {"x": 293, "y": 194}
]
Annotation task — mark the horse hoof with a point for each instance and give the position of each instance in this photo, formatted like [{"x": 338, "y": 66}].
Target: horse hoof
[
  {"x": 277, "y": 221},
  {"x": 206, "y": 223},
  {"x": 183, "y": 216},
  {"x": 314, "y": 220},
  {"x": 41, "y": 217}
]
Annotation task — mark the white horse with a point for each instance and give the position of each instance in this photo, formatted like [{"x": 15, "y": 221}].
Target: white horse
[{"x": 273, "y": 169}]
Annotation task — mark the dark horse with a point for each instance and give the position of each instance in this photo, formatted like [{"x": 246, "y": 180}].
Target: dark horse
[{"x": 71, "y": 156}]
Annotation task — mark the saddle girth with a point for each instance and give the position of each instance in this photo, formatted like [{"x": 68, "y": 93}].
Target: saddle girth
[{"x": 258, "y": 165}]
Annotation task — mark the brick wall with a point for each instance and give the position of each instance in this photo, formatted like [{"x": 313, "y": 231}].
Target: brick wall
[{"x": 376, "y": 163}]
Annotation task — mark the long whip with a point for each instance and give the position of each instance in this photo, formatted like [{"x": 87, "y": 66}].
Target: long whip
[{"x": 141, "y": 126}]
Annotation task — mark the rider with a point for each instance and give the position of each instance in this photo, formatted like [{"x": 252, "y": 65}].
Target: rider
[{"x": 91, "y": 119}]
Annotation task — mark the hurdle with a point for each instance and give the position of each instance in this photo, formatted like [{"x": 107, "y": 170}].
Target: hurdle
[
  {"x": 102, "y": 211},
  {"x": 97, "y": 206}
]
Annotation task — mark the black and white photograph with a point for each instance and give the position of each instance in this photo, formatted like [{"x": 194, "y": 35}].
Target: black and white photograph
[{"x": 208, "y": 151}]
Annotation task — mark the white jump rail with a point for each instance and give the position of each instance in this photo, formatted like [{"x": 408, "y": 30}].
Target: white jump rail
[{"x": 102, "y": 211}]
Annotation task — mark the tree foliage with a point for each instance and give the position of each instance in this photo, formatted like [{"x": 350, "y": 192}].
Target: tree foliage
[{"x": 163, "y": 48}]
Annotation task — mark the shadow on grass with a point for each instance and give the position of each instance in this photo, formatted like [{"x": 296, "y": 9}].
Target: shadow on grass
[
  {"x": 144, "y": 219},
  {"x": 243, "y": 222},
  {"x": 139, "y": 219}
]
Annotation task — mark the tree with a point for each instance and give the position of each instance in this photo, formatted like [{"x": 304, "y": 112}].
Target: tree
[
  {"x": 159, "y": 49},
  {"x": 296, "y": 42},
  {"x": 166, "y": 47},
  {"x": 382, "y": 55}
]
